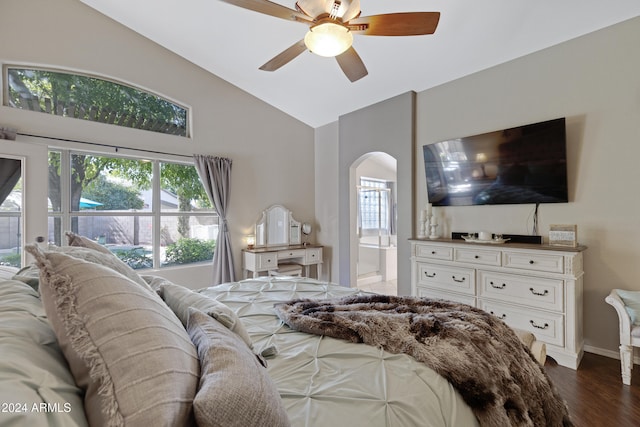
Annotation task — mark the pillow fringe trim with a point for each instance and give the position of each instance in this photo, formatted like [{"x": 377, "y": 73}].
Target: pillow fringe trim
[{"x": 81, "y": 342}]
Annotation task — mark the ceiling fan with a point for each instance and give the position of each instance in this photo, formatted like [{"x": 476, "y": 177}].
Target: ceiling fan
[{"x": 332, "y": 24}]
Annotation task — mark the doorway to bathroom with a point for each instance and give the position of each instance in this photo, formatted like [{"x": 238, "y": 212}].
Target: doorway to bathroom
[{"x": 376, "y": 226}]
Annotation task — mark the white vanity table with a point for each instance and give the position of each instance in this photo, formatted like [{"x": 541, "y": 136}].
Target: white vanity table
[
  {"x": 266, "y": 259},
  {"x": 278, "y": 241}
]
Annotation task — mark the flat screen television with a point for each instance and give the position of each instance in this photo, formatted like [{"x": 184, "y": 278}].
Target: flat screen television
[{"x": 524, "y": 164}]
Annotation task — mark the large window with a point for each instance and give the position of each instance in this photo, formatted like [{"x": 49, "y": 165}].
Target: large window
[
  {"x": 148, "y": 212},
  {"x": 374, "y": 205},
  {"x": 92, "y": 98}
]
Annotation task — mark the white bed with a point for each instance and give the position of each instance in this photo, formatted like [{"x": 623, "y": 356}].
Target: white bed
[
  {"x": 319, "y": 381},
  {"x": 328, "y": 382}
]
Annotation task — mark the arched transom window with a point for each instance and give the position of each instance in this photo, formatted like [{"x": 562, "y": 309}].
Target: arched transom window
[{"x": 92, "y": 98}]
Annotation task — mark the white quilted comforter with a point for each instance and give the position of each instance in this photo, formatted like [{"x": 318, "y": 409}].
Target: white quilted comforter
[{"x": 325, "y": 382}]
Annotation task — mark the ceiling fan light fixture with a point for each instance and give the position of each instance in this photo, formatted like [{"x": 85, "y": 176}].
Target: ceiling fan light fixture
[{"x": 328, "y": 39}]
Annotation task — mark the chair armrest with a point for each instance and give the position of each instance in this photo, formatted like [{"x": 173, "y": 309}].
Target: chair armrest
[{"x": 624, "y": 319}]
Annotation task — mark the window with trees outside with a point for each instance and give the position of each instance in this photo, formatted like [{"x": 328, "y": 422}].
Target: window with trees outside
[
  {"x": 92, "y": 98},
  {"x": 373, "y": 205},
  {"x": 150, "y": 213}
]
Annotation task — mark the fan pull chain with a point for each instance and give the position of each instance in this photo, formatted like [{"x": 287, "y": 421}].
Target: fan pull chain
[{"x": 333, "y": 14}]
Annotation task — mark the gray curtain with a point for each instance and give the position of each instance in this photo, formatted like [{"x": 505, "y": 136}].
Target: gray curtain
[
  {"x": 215, "y": 173},
  {"x": 9, "y": 176}
]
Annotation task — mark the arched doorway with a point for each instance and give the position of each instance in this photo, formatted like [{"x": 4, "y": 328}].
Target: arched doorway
[{"x": 373, "y": 234}]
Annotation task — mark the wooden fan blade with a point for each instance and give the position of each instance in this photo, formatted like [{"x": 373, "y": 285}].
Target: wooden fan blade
[
  {"x": 352, "y": 12},
  {"x": 285, "y": 56},
  {"x": 396, "y": 24},
  {"x": 270, "y": 8},
  {"x": 352, "y": 65}
]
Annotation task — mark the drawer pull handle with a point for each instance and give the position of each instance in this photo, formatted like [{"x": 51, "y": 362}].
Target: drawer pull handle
[
  {"x": 501, "y": 286},
  {"x": 546, "y": 325},
  {"x": 426, "y": 273},
  {"x": 433, "y": 252},
  {"x": 458, "y": 280},
  {"x": 540, "y": 294},
  {"x": 531, "y": 261},
  {"x": 501, "y": 317},
  {"x": 476, "y": 256}
]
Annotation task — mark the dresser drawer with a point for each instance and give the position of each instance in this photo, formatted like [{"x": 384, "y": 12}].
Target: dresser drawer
[
  {"x": 447, "y": 278},
  {"x": 291, "y": 253},
  {"x": 449, "y": 296},
  {"x": 434, "y": 252},
  {"x": 547, "y": 327},
  {"x": 531, "y": 291},
  {"x": 478, "y": 256},
  {"x": 313, "y": 256},
  {"x": 266, "y": 261},
  {"x": 536, "y": 262}
]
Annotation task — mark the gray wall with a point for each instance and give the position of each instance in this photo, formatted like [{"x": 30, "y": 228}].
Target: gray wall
[
  {"x": 273, "y": 154},
  {"x": 594, "y": 82},
  {"x": 386, "y": 127}
]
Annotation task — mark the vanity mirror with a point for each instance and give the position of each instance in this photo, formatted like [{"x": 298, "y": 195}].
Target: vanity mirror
[
  {"x": 277, "y": 227},
  {"x": 278, "y": 249}
]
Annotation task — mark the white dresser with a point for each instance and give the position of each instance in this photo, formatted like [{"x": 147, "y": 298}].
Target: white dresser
[
  {"x": 537, "y": 288},
  {"x": 261, "y": 260}
]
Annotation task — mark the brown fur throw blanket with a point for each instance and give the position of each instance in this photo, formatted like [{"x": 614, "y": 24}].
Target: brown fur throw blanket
[{"x": 476, "y": 352}]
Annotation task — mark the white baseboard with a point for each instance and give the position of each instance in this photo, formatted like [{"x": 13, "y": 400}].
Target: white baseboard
[
  {"x": 609, "y": 353},
  {"x": 369, "y": 279}
]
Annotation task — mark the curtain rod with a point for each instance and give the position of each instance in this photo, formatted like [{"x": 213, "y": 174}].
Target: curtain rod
[{"x": 103, "y": 145}]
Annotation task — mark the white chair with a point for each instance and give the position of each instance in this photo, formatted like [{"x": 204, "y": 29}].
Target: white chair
[{"x": 627, "y": 305}]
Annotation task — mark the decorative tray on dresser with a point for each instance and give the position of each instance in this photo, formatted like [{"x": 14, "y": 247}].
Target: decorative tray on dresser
[{"x": 537, "y": 288}]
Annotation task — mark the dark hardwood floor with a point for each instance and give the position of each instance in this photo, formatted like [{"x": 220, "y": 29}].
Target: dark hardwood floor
[{"x": 595, "y": 393}]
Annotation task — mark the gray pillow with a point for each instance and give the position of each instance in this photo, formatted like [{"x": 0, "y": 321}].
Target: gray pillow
[
  {"x": 235, "y": 389},
  {"x": 30, "y": 275},
  {"x": 74, "y": 239},
  {"x": 105, "y": 259},
  {"x": 179, "y": 299},
  {"x": 125, "y": 348}
]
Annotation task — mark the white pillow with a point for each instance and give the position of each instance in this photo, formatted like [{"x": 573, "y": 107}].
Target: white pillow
[{"x": 631, "y": 301}]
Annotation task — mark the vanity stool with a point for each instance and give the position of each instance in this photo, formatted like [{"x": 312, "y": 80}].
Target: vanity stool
[{"x": 287, "y": 270}]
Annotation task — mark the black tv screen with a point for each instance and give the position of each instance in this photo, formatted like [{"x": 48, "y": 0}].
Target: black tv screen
[{"x": 524, "y": 164}]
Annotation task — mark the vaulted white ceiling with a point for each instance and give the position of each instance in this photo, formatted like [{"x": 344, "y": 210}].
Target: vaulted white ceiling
[{"x": 472, "y": 35}]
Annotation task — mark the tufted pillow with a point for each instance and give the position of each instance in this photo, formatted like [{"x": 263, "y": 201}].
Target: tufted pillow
[
  {"x": 124, "y": 346},
  {"x": 179, "y": 299},
  {"x": 33, "y": 370},
  {"x": 235, "y": 389}
]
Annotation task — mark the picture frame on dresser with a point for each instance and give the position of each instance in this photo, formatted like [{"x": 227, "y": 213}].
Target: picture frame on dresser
[{"x": 563, "y": 235}]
